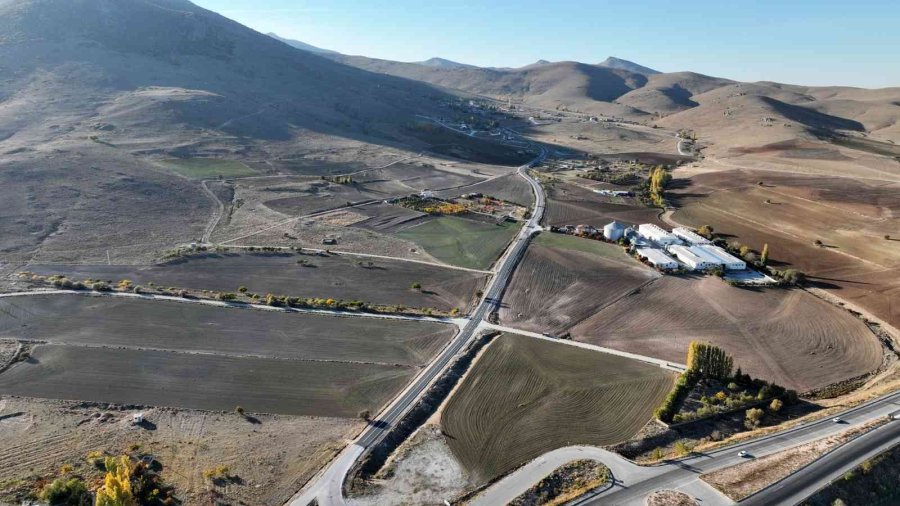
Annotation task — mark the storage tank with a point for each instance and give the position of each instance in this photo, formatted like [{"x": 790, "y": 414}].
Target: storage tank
[{"x": 613, "y": 231}]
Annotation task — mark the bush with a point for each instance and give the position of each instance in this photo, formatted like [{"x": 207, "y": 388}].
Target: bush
[
  {"x": 776, "y": 405},
  {"x": 68, "y": 492}
]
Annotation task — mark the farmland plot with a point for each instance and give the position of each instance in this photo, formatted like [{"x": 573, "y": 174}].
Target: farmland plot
[
  {"x": 563, "y": 280},
  {"x": 209, "y": 382},
  {"x": 568, "y": 204},
  {"x": 195, "y": 328},
  {"x": 378, "y": 281},
  {"x": 511, "y": 188},
  {"x": 786, "y": 336},
  {"x": 461, "y": 241},
  {"x": 525, "y": 397}
]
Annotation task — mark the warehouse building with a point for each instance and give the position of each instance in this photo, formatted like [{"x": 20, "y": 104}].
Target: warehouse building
[
  {"x": 657, "y": 234},
  {"x": 731, "y": 262},
  {"x": 695, "y": 258},
  {"x": 657, "y": 258},
  {"x": 690, "y": 236}
]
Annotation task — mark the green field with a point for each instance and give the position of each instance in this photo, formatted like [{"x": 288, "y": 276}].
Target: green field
[
  {"x": 203, "y": 168},
  {"x": 462, "y": 242},
  {"x": 572, "y": 243}
]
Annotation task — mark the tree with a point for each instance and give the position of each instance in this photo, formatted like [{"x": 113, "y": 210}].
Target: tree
[
  {"x": 764, "y": 255},
  {"x": 657, "y": 454},
  {"x": 66, "y": 492},
  {"x": 239, "y": 410},
  {"x": 776, "y": 405},
  {"x": 681, "y": 448},
  {"x": 792, "y": 277},
  {"x": 365, "y": 414},
  {"x": 706, "y": 231},
  {"x": 417, "y": 286},
  {"x": 753, "y": 418},
  {"x": 743, "y": 250},
  {"x": 709, "y": 360},
  {"x": 116, "y": 489},
  {"x": 242, "y": 289}
]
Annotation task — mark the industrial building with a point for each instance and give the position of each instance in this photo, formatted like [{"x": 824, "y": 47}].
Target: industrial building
[
  {"x": 657, "y": 258},
  {"x": 613, "y": 231},
  {"x": 694, "y": 258},
  {"x": 690, "y": 236},
  {"x": 657, "y": 234},
  {"x": 728, "y": 260}
]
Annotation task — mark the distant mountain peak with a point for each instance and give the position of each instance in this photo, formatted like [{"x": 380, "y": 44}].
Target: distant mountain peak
[
  {"x": 617, "y": 63},
  {"x": 542, "y": 62},
  {"x": 301, "y": 45},
  {"x": 443, "y": 63}
]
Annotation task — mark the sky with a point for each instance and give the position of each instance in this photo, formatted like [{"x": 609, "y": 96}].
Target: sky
[{"x": 823, "y": 42}]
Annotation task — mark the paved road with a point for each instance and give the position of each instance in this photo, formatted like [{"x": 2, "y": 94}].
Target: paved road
[
  {"x": 684, "y": 474},
  {"x": 327, "y": 487}
]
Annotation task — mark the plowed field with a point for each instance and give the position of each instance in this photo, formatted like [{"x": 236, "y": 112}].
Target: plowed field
[
  {"x": 527, "y": 396},
  {"x": 786, "y": 336},
  {"x": 568, "y": 204},
  {"x": 564, "y": 279}
]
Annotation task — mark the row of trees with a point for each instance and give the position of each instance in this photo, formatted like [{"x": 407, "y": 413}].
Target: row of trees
[
  {"x": 709, "y": 361},
  {"x": 659, "y": 179}
]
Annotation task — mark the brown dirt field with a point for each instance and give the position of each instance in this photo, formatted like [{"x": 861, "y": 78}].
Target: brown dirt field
[
  {"x": 553, "y": 395},
  {"x": 387, "y": 218},
  {"x": 786, "y": 336},
  {"x": 568, "y": 204},
  {"x": 555, "y": 287},
  {"x": 334, "y": 276},
  {"x": 511, "y": 188},
  {"x": 851, "y": 217},
  {"x": 272, "y": 458}
]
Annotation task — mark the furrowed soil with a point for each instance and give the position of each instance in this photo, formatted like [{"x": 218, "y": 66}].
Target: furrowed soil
[
  {"x": 569, "y": 204},
  {"x": 511, "y": 188},
  {"x": 379, "y": 281},
  {"x": 552, "y": 395},
  {"x": 564, "y": 279},
  {"x": 208, "y": 382},
  {"x": 461, "y": 241},
  {"x": 208, "y": 168},
  {"x": 271, "y": 455},
  {"x": 195, "y": 328},
  {"x": 789, "y": 212},
  {"x": 786, "y": 336}
]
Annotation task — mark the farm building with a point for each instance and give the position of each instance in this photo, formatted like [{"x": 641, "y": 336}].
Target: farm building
[
  {"x": 690, "y": 236},
  {"x": 613, "y": 231},
  {"x": 657, "y": 258},
  {"x": 694, "y": 257},
  {"x": 730, "y": 261},
  {"x": 657, "y": 234}
]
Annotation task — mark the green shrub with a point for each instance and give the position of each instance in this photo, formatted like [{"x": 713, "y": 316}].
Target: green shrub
[{"x": 66, "y": 492}]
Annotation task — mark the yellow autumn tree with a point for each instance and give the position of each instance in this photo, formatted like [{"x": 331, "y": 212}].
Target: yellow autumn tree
[{"x": 116, "y": 489}]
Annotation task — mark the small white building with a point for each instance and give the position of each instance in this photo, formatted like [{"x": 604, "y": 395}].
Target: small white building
[
  {"x": 613, "y": 231},
  {"x": 426, "y": 194},
  {"x": 657, "y": 258},
  {"x": 690, "y": 236},
  {"x": 657, "y": 234},
  {"x": 730, "y": 261},
  {"x": 137, "y": 418},
  {"x": 695, "y": 259}
]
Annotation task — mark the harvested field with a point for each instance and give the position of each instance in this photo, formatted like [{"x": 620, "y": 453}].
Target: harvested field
[
  {"x": 552, "y": 395},
  {"x": 208, "y": 382},
  {"x": 568, "y": 204},
  {"x": 207, "y": 168},
  {"x": 195, "y": 328},
  {"x": 781, "y": 335},
  {"x": 387, "y": 218},
  {"x": 419, "y": 177},
  {"x": 789, "y": 212},
  {"x": 321, "y": 195},
  {"x": 333, "y": 276},
  {"x": 564, "y": 279},
  {"x": 511, "y": 188},
  {"x": 38, "y": 437},
  {"x": 461, "y": 241}
]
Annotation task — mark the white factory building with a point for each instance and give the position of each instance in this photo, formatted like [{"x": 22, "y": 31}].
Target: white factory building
[
  {"x": 657, "y": 258},
  {"x": 729, "y": 261},
  {"x": 657, "y": 234},
  {"x": 690, "y": 236},
  {"x": 695, "y": 258}
]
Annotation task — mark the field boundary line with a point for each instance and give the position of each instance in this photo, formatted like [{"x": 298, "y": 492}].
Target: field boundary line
[
  {"x": 457, "y": 322},
  {"x": 665, "y": 364}
]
